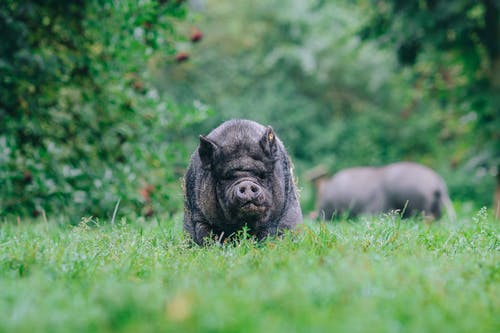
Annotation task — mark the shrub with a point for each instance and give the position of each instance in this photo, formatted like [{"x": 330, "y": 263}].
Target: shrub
[{"x": 82, "y": 126}]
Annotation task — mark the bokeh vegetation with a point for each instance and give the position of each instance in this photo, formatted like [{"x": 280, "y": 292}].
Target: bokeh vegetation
[
  {"x": 455, "y": 51},
  {"x": 102, "y": 102},
  {"x": 340, "y": 97}
]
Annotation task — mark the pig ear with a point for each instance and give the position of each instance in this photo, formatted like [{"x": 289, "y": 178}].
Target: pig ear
[
  {"x": 207, "y": 150},
  {"x": 268, "y": 142}
]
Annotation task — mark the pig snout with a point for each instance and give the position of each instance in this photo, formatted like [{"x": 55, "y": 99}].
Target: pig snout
[{"x": 247, "y": 191}]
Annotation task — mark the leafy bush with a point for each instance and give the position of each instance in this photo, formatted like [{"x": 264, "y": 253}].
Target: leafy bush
[{"x": 82, "y": 127}]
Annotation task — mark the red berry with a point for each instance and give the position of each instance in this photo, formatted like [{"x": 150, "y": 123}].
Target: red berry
[
  {"x": 196, "y": 36},
  {"x": 146, "y": 192},
  {"x": 138, "y": 86},
  {"x": 182, "y": 56}
]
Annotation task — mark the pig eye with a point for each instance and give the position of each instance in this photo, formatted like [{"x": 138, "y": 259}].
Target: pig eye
[{"x": 229, "y": 176}]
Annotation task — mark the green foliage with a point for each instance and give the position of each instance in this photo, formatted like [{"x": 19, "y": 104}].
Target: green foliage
[
  {"x": 379, "y": 273},
  {"x": 332, "y": 97},
  {"x": 455, "y": 52},
  {"x": 81, "y": 125}
]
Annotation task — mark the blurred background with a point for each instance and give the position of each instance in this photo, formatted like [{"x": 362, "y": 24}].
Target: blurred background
[{"x": 103, "y": 101}]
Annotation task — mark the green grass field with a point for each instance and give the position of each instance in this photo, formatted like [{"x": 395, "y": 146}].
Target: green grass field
[{"x": 374, "y": 275}]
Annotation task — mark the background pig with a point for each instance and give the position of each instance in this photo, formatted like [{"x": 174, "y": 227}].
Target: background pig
[
  {"x": 239, "y": 175},
  {"x": 408, "y": 187}
]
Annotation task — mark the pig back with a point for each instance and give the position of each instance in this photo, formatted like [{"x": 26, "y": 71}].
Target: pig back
[
  {"x": 351, "y": 191},
  {"x": 413, "y": 188}
]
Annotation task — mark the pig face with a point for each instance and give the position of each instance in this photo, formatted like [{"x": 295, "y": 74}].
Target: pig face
[{"x": 243, "y": 177}]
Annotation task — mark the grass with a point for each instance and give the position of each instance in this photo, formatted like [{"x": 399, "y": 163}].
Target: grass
[{"x": 376, "y": 275}]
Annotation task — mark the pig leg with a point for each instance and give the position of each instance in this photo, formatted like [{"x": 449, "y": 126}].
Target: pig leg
[
  {"x": 196, "y": 226},
  {"x": 202, "y": 233}
]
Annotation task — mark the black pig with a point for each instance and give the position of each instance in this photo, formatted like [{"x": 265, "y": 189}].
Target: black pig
[{"x": 240, "y": 175}]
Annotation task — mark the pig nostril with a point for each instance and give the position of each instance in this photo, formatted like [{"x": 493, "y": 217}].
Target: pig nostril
[{"x": 247, "y": 191}]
